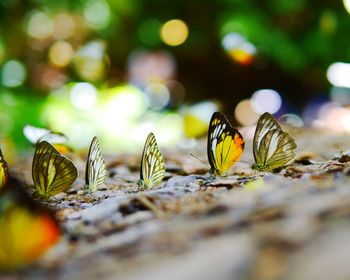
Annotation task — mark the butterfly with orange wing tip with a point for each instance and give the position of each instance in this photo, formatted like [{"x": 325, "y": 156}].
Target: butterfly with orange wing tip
[
  {"x": 225, "y": 145},
  {"x": 52, "y": 173},
  {"x": 95, "y": 173},
  {"x": 152, "y": 164},
  {"x": 3, "y": 171},
  {"x": 273, "y": 148},
  {"x": 27, "y": 229},
  {"x": 35, "y": 135}
]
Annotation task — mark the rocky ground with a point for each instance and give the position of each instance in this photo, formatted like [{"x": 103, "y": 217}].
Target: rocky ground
[{"x": 294, "y": 225}]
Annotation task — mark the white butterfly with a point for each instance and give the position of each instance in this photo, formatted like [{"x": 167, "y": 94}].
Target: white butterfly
[
  {"x": 152, "y": 164},
  {"x": 96, "y": 172},
  {"x": 273, "y": 148},
  {"x": 37, "y": 134}
]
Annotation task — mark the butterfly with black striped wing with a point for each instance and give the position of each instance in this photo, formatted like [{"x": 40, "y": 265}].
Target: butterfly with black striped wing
[
  {"x": 52, "y": 173},
  {"x": 152, "y": 164},
  {"x": 225, "y": 145},
  {"x": 273, "y": 148},
  {"x": 95, "y": 173}
]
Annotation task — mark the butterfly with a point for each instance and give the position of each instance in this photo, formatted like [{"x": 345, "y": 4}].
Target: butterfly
[
  {"x": 152, "y": 164},
  {"x": 273, "y": 148},
  {"x": 27, "y": 229},
  {"x": 225, "y": 145},
  {"x": 36, "y": 135},
  {"x": 52, "y": 173},
  {"x": 3, "y": 171},
  {"x": 95, "y": 173}
]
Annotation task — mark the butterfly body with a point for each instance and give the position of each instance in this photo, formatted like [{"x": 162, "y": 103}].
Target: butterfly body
[
  {"x": 52, "y": 173},
  {"x": 27, "y": 229},
  {"x": 152, "y": 167},
  {"x": 225, "y": 145},
  {"x": 273, "y": 148},
  {"x": 96, "y": 172}
]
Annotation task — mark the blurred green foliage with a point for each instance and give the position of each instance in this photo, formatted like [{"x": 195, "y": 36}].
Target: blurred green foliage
[
  {"x": 293, "y": 33},
  {"x": 295, "y": 42}
]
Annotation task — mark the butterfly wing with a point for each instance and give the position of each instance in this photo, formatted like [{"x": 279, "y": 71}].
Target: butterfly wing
[
  {"x": 225, "y": 144},
  {"x": 95, "y": 173},
  {"x": 278, "y": 148},
  {"x": 52, "y": 173},
  {"x": 35, "y": 135},
  {"x": 38, "y": 134},
  {"x": 272, "y": 147},
  {"x": 3, "y": 171},
  {"x": 152, "y": 163},
  {"x": 42, "y": 150},
  {"x": 265, "y": 124},
  {"x": 19, "y": 215}
]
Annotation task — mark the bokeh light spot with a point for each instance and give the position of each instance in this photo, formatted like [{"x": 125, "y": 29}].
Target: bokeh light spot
[
  {"x": 60, "y": 54},
  {"x": 266, "y": 100},
  {"x": 13, "y": 74},
  {"x": 158, "y": 95},
  {"x": 83, "y": 95},
  {"x": 97, "y": 14},
  {"x": 174, "y": 32},
  {"x": 245, "y": 114},
  {"x": 40, "y": 25},
  {"x": 63, "y": 26},
  {"x": 338, "y": 74},
  {"x": 145, "y": 67},
  {"x": 125, "y": 102},
  {"x": 347, "y": 5},
  {"x": 238, "y": 48},
  {"x": 197, "y": 117},
  {"x": 177, "y": 93},
  {"x": 89, "y": 61},
  {"x": 291, "y": 120}
]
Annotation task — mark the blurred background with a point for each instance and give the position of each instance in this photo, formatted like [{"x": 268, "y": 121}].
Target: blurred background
[{"x": 119, "y": 69}]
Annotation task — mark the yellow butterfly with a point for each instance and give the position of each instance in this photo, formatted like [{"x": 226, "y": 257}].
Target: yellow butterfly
[
  {"x": 152, "y": 164},
  {"x": 27, "y": 229},
  {"x": 3, "y": 171},
  {"x": 96, "y": 172},
  {"x": 273, "y": 148},
  {"x": 52, "y": 173},
  {"x": 225, "y": 145},
  {"x": 35, "y": 135}
]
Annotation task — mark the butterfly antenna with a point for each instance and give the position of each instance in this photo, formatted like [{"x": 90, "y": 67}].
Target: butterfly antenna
[{"x": 200, "y": 160}]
